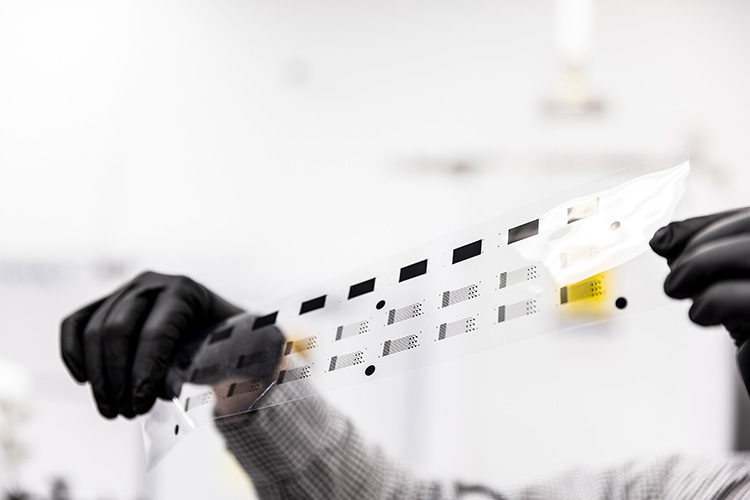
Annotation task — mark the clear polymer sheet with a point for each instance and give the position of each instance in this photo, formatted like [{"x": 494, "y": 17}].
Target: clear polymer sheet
[{"x": 545, "y": 267}]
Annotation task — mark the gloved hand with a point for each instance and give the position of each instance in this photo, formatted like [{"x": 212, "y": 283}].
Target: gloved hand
[
  {"x": 123, "y": 344},
  {"x": 709, "y": 258}
]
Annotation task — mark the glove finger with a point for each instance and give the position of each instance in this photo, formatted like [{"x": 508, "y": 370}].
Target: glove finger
[
  {"x": 717, "y": 260},
  {"x": 727, "y": 303},
  {"x": 735, "y": 224},
  {"x": 121, "y": 329},
  {"x": 93, "y": 355},
  {"x": 171, "y": 318},
  {"x": 71, "y": 340},
  {"x": 670, "y": 240}
]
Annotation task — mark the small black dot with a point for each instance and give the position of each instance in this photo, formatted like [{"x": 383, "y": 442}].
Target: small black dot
[
  {"x": 176, "y": 429},
  {"x": 370, "y": 370},
  {"x": 621, "y": 303},
  {"x": 380, "y": 304}
]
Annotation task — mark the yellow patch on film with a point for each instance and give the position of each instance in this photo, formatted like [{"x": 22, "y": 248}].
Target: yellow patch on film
[{"x": 588, "y": 297}]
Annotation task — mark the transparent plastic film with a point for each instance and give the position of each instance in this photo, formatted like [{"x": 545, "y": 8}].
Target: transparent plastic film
[{"x": 563, "y": 262}]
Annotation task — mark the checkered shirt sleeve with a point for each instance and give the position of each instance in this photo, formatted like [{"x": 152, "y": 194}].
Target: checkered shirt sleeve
[{"x": 308, "y": 450}]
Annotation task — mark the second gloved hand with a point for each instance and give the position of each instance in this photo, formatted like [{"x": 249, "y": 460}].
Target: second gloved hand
[
  {"x": 123, "y": 344},
  {"x": 709, "y": 258}
]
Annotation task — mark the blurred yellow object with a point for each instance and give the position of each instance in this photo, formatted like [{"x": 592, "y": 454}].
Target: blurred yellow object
[{"x": 588, "y": 297}]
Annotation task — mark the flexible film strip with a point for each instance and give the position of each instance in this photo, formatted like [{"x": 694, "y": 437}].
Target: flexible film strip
[{"x": 540, "y": 268}]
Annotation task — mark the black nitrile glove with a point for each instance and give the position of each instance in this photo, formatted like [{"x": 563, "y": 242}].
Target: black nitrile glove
[
  {"x": 709, "y": 258},
  {"x": 123, "y": 344}
]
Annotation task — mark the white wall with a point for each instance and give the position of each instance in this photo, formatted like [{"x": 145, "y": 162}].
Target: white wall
[{"x": 264, "y": 146}]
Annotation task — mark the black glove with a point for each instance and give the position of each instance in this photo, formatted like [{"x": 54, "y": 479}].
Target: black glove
[
  {"x": 709, "y": 258},
  {"x": 123, "y": 344}
]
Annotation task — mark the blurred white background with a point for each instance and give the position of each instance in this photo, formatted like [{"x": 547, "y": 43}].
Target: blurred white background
[{"x": 260, "y": 147}]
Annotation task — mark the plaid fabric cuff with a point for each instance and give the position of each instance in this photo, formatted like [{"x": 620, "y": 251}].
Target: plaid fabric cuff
[{"x": 279, "y": 442}]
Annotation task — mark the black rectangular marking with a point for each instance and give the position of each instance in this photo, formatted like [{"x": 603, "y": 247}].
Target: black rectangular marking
[
  {"x": 583, "y": 210},
  {"x": 266, "y": 320},
  {"x": 413, "y": 270},
  {"x": 332, "y": 364},
  {"x": 222, "y": 334},
  {"x": 523, "y": 231},
  {"x": 361, "y": 288},
  {"x": 288, "y": 349},
  {"x": 465, "y": 252},
  {"x": 313, "y": 304},
  {"x": 501, "y": 314}
]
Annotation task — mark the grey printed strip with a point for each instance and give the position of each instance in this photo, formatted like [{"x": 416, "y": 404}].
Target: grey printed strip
[
  {"x": 301, "y": 345},
  {"x": 201, "y": 399},
  {"x": 459, "y": 327},
  {"x": 358, "y": 328},
  {"x": 401, "y": 344},
  {"x": 294, "y": 374},
  {"x": 459, "y": 295},
  {"x": 346, "y": 360},
  {"x": 587, "y": 289},
  {"x": 240, "y": 388},
  {"x": 516, "y": 310},
  {"x": 518, "y": 276},
  {"x": 404, "y": 313}
]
